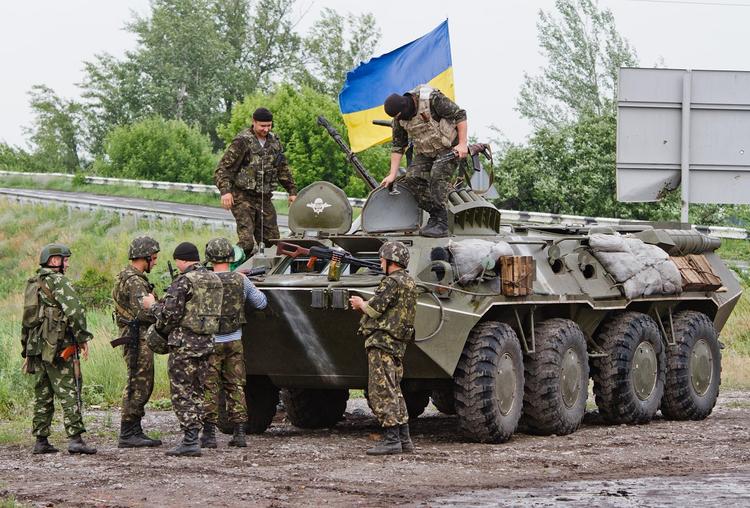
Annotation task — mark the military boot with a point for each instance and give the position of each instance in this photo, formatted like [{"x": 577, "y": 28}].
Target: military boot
[
  {"x": 431, "y": 222},
  {"x": 43, "y": 446},
  {"x": 440, "y": 227},
  {"x": 403, "y": 434},
  {"x": 208, "y": 438},
  {"x": 77, "y": 445},
  {"x": 188, "y": 447},
  {"x": 238, "y": 438},
  {"x": 390, "y": 445},
  {"x": 139, "y": 432}
]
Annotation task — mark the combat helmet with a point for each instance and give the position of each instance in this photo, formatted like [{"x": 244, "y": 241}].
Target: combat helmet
[
  {"x": 143, "y": 247},
  {"x": 219, "y": 250},
  {"x": 53, "y": 249},
  {"x": 396, "y": 252}
]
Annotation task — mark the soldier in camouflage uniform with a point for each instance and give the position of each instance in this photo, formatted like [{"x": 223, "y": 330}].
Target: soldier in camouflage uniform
[
  {"x": 436, "y": 126},
  {"x": 53, "y": 321},
  {"x": 131, "y": 287},
  {"x": 189, "y": 316},
  {"x": 227, "y": 362},
  {"x": 250, "y": 170},
  {"x": 388, "y": 325}
]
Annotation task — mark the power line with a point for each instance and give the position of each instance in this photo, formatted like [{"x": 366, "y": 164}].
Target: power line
[{"x": 683, "y": 2}]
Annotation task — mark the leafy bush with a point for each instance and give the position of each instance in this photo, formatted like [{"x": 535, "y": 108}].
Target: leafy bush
[
  {"x": 94, "y": 288},
  {"x": 158, "y": 149}
]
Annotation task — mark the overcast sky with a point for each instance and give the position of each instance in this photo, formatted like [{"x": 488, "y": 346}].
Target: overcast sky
[{"x": 493, "y": 44}]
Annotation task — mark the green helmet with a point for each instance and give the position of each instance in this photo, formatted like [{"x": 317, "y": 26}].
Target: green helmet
[
  {"x": 53, "y": 249},
  {"x": 396, "y": 252},
  {"x": 219, "y": 250},
  {"x": 143, "y": 247}
]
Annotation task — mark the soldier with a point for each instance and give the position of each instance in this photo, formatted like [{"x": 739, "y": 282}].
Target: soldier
[
  {"x": 54, "y": 324},
  {"x": 388, "y": 325},
  {"x": 247, "y": 174},
  {"x": 189, "y": 315},
  {"x": 436, "y": 126},
  {"x": 131, "y": 287},
  {"x": 227, "y": 362}
]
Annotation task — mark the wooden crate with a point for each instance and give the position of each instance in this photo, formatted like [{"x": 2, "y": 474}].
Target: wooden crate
[
  {"x": 517, "y": 274},
  {"x": 696, "y": 273}
]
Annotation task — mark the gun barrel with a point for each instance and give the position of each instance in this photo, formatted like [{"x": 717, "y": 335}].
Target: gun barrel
[
  {"x": 350, "y": 156},
  {"x": 382, "y": 123}
]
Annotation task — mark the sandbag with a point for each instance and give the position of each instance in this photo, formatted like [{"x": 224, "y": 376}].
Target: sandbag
[
  {"x": 600, "y": 242},
  {"x": 621, "y": 265},
  {"x": 473, "y": 256}
]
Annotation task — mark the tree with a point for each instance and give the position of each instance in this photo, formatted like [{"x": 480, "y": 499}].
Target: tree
[
  {"x": 311, "y": 152},
  {"x": 335, "y": 45},
  {"x": 56, "y": 130},
  {"x": 584, "y": 52},
  {"x": 158, "y": 149}
]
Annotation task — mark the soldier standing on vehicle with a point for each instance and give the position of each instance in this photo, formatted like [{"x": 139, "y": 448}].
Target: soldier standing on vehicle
[
  {"x": 131, "y": 288},
  {"x": 388, "y": 326},
  {"x": 189, "y": 313},
  {"x": 227, "y": 362},
  {"x": 252, "y": 167},
  {"x": 54, "y": 324},
  {"x": 436, "y": 126}
]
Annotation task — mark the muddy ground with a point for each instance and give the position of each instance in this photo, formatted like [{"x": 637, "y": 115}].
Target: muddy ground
[{"x": 664, "y": 463}]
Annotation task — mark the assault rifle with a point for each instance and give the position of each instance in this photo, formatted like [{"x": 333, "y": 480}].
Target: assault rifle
[
  {"x": 350, "y": 156},
  {"x": 132, "y": 338},
  {"x": 69, "y": 351},
  {"x": 172, "y": 272},
  {"x": 253, "y": 272},
  {"x": 474, "y": 151},
  {"x": 319, "y": 252}
]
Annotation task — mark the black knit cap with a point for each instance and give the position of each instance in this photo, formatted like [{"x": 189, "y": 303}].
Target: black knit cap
[
  {"x": 262, "y": 115},
  {"x": 186, "y": 251},
  {"x": 396, "y": 104}
]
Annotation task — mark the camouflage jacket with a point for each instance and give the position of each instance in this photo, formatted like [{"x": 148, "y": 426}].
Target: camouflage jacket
[
  {"x": 64, "y": 318},
  {"x": 441, "y": 107},
  {"x": 169, "y": 313},
  {"x": 388, "y": 320},
  {"x": 131, "y": 286},
  {"x": 247, "y": 165}
]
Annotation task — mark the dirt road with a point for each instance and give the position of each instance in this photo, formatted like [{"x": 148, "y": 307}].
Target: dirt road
[{"x": 663, "y": 463}]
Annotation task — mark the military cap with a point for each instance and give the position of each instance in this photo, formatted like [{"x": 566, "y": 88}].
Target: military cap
[
  {"x": 396, "y": 104},
  {"x": 186, "y": 251},
  {"x": 143, "y": 247},
  {"x": 53, "y": 249},
  {"x": 219, "y": 250},
  {"x": 262, "y": 115},
  {"x": 395, "y": 252}
]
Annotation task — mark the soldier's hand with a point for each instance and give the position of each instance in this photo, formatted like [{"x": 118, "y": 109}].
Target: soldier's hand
[
  {"x": 227, "y": 201},
  {"x": 84, "y": 350},
  {"x": 148, "y": 301},
  {"x": 292, "y": 198},
  {"x": 462, "y": 150},
  {"x": 388, "y": 180},
  {"x": 356, "y": 302}
]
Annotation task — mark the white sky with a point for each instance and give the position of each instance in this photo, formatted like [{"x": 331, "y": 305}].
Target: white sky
[{"x": 493, "y": 43}]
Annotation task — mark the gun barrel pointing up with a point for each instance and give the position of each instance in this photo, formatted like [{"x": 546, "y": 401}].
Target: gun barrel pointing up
[{"x": 350, "y": 156}]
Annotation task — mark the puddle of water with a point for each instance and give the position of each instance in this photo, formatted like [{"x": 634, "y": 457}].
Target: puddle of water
[{"x": 727, "y": 490}]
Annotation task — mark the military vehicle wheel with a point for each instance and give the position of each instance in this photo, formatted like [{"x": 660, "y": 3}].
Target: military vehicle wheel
[
  {"x": 262, "y": 397},
  {"x": 444, "y": 401},
  {"x": 489, "y": 383},
  {"x": 693, "y": 368},
  {"x": 556, "y": 382},
  {"x": 416, "y": 402},
  {"x": 629, "y": 381},
  {"x": 314, "y": 408}
]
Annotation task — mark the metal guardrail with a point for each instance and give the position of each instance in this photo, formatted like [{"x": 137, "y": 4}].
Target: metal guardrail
[{"x": 509, "y": 215}]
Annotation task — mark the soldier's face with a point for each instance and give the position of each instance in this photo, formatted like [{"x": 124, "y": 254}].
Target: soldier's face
[
  {"x": 151, "y": 262},
  {"x": 262, "y": 129},
  {"x": 58, "y": 262}
]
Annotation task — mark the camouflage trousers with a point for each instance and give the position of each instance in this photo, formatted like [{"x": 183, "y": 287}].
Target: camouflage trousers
[
  {"x": 140, "y": 382},
  {"x": 252, "y": 224},
  {"x": 187, "y": 377},
  {"x": 429, "y": 182},
  {"x": 384, "y": 387},
  {"x": 52, "y": 381},
  {"x": 226, "y": 370}
]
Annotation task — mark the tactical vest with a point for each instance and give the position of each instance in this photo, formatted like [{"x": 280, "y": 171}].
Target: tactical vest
[
  {"x": 429, "y": 137},
  {"x": 397, "y": 320},
  {"x": 258, "y": 169},
  {"x": 203, "y": 310},
  {"x": 44, "y": 325},
  {"x": 232, "y": 302}
]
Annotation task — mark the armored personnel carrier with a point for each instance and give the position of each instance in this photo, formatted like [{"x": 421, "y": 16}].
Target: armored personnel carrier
[{"x": 512, "y": 320}]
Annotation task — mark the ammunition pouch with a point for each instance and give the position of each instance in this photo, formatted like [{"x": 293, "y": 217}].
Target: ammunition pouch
[
  {"x": 53, "y": 328},
  {"x": 155, "y": 341}
]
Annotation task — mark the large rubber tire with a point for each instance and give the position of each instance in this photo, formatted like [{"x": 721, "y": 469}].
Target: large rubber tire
[
  {"x": 444, "y": 401},
  {"x": 262, "y": 397},
  {"x": 629, "y": 381},
  {"x": 693, "y": 368},
  {"x": 489, "y": 383},
  {"x": 416, "y": 402},
  {"x": 314, "y": 408},
  {"x": 556, "y": 381}
]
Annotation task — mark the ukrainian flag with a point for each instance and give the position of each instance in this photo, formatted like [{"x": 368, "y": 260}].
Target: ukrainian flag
[{"x": 425, "y": 60}]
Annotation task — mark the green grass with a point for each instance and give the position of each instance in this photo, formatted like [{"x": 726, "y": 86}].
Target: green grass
[{"x": 735, "y": 250}]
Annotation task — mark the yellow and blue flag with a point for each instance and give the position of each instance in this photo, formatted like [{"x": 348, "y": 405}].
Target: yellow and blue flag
[{"x": 425, "y": 60}]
